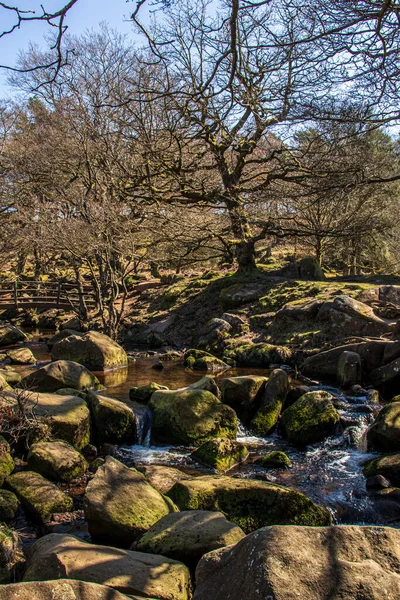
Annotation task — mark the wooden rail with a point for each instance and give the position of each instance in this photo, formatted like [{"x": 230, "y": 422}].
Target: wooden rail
[{"x": 44, "y": 294}]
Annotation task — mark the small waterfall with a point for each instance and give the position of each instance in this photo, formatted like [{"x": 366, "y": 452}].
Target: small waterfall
[{"x": 144, "y": 422}]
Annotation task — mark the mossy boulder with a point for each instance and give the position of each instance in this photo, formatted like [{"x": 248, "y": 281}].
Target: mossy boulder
[
  {"x": 21, "y": 356},
  {"x": 10, "y": 376},
  {"x": 246, "y": 354},
  {"x": 113, "y": 421},
  {"x": 40, "y": 497},
  {"x": 384, "y": 434},
  {"x": 221, "y": 454},
  {"x": 6, "y": 460},
  {"x": 143, "y": 393},
  {"x": 132, "y": 573},
  {"x": 11, "y": 335},
  {"x": 207, "y": 383},
  {"x": 60, "y": 589},
  {"x": 388, "y": 466},
  {"x": 344, "y": 317},
  {"x": 93, "y": 350},
  {"x": 275, "y": 460},
  {"x": 56, "y": 460},
  {"x": 273, "y": 399},
  {"x": 191, "y": 417},
  {"x": 243, "y": 394},
  {"x": 188, "y": 535},
  {"x": 238, "y": 294},
  {"x": 4, "y": 385},
  {"x": 199, "y": 360},
  {"x": 61, "y": 374},
  {"x": 310, "y": 269},
  {"x": 251, "y": 504},
  {"x": 61, "y": 335},
  {"x": 11, "y": 555},
  {"x": 161, "y": 477},
  {"x": 120, "y": 504},
  {"x": 9, "y": 504},
  {"x": 349, "y": 371},
  {"x": 310, "y": 419}
]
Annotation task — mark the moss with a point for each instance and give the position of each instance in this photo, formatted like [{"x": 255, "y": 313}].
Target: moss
[
  {"x": 208, "y": 363},
  {"x": 246, "y": 354},
  {"x": 266, "y": 417},
  {"x": 388, "y": 466},
  {"x": 143, "y": 393},
  {"x": 9, "y": 504},
  {"x": 310, "y": 419},
  {"x": 57, "y": 460},
  {"x": 6, "y": 461},
  {"x": 11, "y": 555},
  {"x": 113, "y": 421},
  {"x": 276, "y": 460},
  {"x": 221, "y": 454},
  {"x": 192, "y": 355}
]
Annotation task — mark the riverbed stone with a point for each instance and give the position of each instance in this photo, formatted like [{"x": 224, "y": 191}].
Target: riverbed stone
[
  {"x": 56, "y": 460},
  {"x": 120, "y": 504},
  {"x": 307, "y": 563},
  {"x": 207, "y": 383},
  {"x": 40, "y": 497},
  {"x": 186, "y": 536},
  {"x": 60, "y": 589},
  {"x": 386, "y": 378},
  {"x": 275, "y": 460},
  {"x": 6, "y": 460},
  {"x": 10, "y": 376},
  {"x": 310, "y": 419},
  {"x": 249, "y": 503},
  {"x": 273, "y": 399},
  {"x": 9, "y": 334},
  {"x": 191, "y": 417},
  {"x": 247, "y": 354},
  {"x": 93, "y": 350},
  {"x": 384, "y": 434},
  {"x": 143, "y": 393},
  {"x": 243, "y": 394},
  {"x": 349, "y": 370},
  {"x": 133, "y": 573},
  {"x": 4, "y": 385},
  {"x": 113, "y": 421},
  {"x": 9, "y": 504},
  {"x": 61, "y": 335},
  {"x": 221, "y": 454},
  {"x": 11, "y": 555},
  {"x": 161, "y": 477},
  {"x": 21, "y": 356},
  {"x": 61, "y": 374},
  {"x": 387, "y": 466}
]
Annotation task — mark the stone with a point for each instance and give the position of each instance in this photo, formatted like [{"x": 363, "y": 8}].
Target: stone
[
  {"x": 21, "y": 356},
  {"x": 186, "y": 536},
  {"x": 93, "y": 350},
  {"x": 346, "y": 317},
  {"x": 238, "y": 324},
  {"x": 161, "y": 477},
  {"x": 4, "y": 386},
  {"x": 56, "y": 460},
  {"x": 249, "y": 503},
  {"x": 11, "y": 555},
  {"x": 11, "y": 377},
  {"x": 247, "y": 354},
  {"x": 349, "y": 370},
  {"x": 199, "y": 360},
  {"x": 60, "y": 589},
  {"x": 221, "y": 454},
  {"x": 143, "y": 393},
  {"x": 6, "y": 460},
  {"x": 275, "y": 460},
  {"x": 386, "y": 466},
  {"x": 298, "y": 311},
  {"x": 9, "y": 504},
  {"x": 191, "y": 417},
  {"x": 207, "y": 383},
  {"x": 61, "y": 335},
  {"x": 310, "y": 269},
  {"x": 307, "y": 563},
  {"x": 243, "y": 394},
  {"x": 276, "y": 390},
  {"x": 387, "y": 377},
  {"x": 213, "y": 334},
  {"x": 133, "y": 573},
  {"x": 239, "y": 294},
  {"x": 11, "y": 335},
  {"x": 310, "y": 419},
  {"x": 390, "y": 293},
  {"x": 61, "y": 374},
  {"x": 384, "y": 434},
  {"x": 120, "y": 504},
  {"x": 377, "y": 482},
  {"x": 40, "y": 497},
  {"x": 113, "y": 421}
]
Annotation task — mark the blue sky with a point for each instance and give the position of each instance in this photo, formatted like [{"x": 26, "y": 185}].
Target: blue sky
[{"x": 85, "y": 14}]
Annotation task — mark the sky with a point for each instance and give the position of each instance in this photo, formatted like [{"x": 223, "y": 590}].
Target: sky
[{"x": 86, "y": 14}]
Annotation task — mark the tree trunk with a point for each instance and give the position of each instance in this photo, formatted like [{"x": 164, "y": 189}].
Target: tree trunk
[{"x": 246, "y": 256}]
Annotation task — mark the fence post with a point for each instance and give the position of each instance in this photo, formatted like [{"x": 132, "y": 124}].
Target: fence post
[
  {"x": 16, "y": 293},
  {"x": 58, "y": 294}
]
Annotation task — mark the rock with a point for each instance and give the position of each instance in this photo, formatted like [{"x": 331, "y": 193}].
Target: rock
[
  {"x": 213, "y": 334},
  {"x": 61, "y": 374},
  {"x": 346, "y": 317},
  {"x": 349, "y": 369},
  {"x": 40, "y": 497},
  {"x": 221, "y": 454},
  {"x": 239, "y": 294},
  {"x": 243, "y": 394},
  {"x": 11, "y": 555},
  {"x": 162, "y": 478},
  {"x": 386, "y": 466},
  {"x": 377, "y": 482},
  {"x": 387, "y": 377},
  {"x": 192, "y": 355},
  {"x": 384, "y": 434},
  {"x": 295, "y": 393},
  {"x": 120, "y": 505},
  {"x": 65, "y": 556},
  {"x": 158, "y": 366},
  {"x": 61, "y": 589},
  {"x": 311, "y": 419},
  {"x": 11, "y": 377},
  {"x": 207, "y": 383},
  {"x": 276, "y": 390},
  {"x": 298, "y": 311},
  {"x": 247, "y": 354},
  {"x": 200, "y": 360},
  {"x": 143, "y": 393},
  {"x": 93, "y": 350},
  {"x": 6, "y": 460},
  {"x": 21, "y": 356},
  {"x": 293, "y": 563},
  {"x": 11, "y": 335},
  {"x": 4, "y": 385},
  {"x": 72, "y": 392},
  {"x": 191, "y": 417},
  {"x": 188, "y": 535},
  {"x": 67, "y": 416},
  {"x": 56, "y": 460},
  {"x": 390, "y": 293},
  {"x": 113, "y": 421},
  {"x": 239, "y": 325},
  {"x": 9, "y": 504},
  {"x": 249, "y": 503},
  {"x": 310, "y": 269},
  {"x": 275, "y": 460},
  {"x": 61, "y": 335}
]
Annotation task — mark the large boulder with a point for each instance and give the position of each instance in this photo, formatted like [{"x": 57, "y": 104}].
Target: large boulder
[
  {"x": 293, "y": 563},
  {"x": 310, "y": 419},
  {"x": 387, "y": 466},
  {"x": 9, "y": 505},
  {"x": 243, "y": 394},
  {"x": 249, "y": 503},
  {"x": 6, "y": 460},
  {"x": 143, "y": 393},
  {"x": 4, "y": 386},
  {"x": 298, "y": 311},
  {"x": 387, "y": 378},
  {"x": 239, "y": 294},
  {"x": 161, "y": 477},
  {"x": 61, "y": 589},
  {"x": 40, "y": 497},
  {"x": 61, "y": 335},
  {"x": 191, "y": 417},
  {"x": 276, "y": 390},
  {"x": 10, "y": 376},
  {"x": 113, "y": 421},
  {"x": 61, "y": 374},
  {"x": 94, "y": 350},
  {"x": 207, "y": 383},
  {"x": 384, "y": 434},
  {"x": 11, "y": 555},
  {"x": 58, "y": 556},
  {"x": 56, "y": 460},
  {"x": 346, "y": 317},
  {"x": 213, "y": 334},
  {"x": 11, "y": 335},
  {"x": 310, "y": 269},
  {"x": 67, "y": 416},
  {"x": 349, "y": 371},
  {"x": 188, "y": 535},
  {"x": 198, "y": 360},
  {"x": 120, "y": 504},
  {"x": 247, "y": 354},
  {"x": 221, "y": 454},
  {"x": 21, "y": 356}
]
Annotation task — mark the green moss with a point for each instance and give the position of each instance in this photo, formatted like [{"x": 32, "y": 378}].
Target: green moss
[
  {"x": 6, "y": 460},
  {"x": 11, "y": 555},
  {"x": 113, "y": 421},
  {"x": 143, "y": 393},
  {"x": 57, "y": 460},
  {"x": 221, "y": 454},
  {"x": 208, "y": 363},
  {"x": 310, "y": 419},
  {"x": 9, "y": 504},
  {"x": 276, "y": 460},
  {"x": 267, "y": 416},
  {"x": 246, "y": 354}
]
